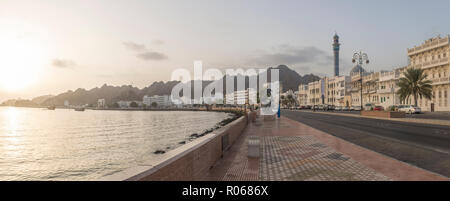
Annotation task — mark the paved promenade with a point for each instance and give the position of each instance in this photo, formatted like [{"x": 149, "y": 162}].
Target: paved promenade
[{"x": 292, "y": 151}]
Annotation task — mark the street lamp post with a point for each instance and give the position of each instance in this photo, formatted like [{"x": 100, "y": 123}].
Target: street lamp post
[{"x": 360, "y": 58}]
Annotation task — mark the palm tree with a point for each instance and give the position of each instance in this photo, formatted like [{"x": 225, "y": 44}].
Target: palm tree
[
  {"x": 414, "y": 84},
  {"x": 290, "y": 100}
]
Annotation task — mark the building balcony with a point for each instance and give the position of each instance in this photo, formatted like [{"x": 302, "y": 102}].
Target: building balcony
[
  {"x": 438, "y": 81},
  {"x": 387, "y": 90},
  {"x": 434, "y": 63},
  {"x": 428, "y": 46}
]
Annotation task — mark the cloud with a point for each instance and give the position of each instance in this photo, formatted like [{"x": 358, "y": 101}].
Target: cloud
[
  {"x": 157, "y": 42},
  {"x": 303, "y": 69},
  {"x": 144, "y": 53},
  {"x": 148, "y": 55},
  {"x": 304, "y": 59},
  {"x": 286, "y": 54},
  {"x": 63, "y": 63},
  {"x": 135, "y": 47}
]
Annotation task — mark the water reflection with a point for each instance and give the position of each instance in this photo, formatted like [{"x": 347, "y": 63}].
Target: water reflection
[{"x": 39, "y": 144}]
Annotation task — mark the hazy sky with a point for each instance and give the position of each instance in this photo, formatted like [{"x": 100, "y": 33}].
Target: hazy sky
[{"x": 71, "y": 44}]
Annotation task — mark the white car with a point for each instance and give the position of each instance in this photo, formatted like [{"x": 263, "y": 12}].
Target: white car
[{"x": 410, "y": 109}]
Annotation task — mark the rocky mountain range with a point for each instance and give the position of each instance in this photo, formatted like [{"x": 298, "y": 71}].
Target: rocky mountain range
[{"x": 289, "y": 79}]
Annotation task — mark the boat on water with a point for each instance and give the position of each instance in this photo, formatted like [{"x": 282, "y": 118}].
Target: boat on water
[
  {"x": 80, "y": 109},
  {"x": 51, "y": 107}
]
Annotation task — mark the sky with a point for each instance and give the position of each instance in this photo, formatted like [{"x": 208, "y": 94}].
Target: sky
[{"x": 49, "y": 47}]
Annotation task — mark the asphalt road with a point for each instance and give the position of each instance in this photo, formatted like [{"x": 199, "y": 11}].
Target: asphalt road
[
  {"x": 424, "y": 115},
  {"x": 422, "y": 145}
]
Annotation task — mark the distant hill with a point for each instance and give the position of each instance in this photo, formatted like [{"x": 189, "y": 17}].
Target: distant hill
[
  {"x": 40, "y": 99},
  {"x": 19, "y": 103},
  {"x": 290, "y": 79},
  {"x": 81, "y": 96}
]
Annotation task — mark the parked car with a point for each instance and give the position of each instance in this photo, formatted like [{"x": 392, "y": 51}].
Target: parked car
[
  {"x": 378, "y": 108},
  {"x": 308, "y": 107},
  {"x": 356, "y": 108},
  {"x": 320, "y": 107},
  {"x": 410, "y": 109},
  {"x": 346, "y": 108},
  {"x": 393, "y": 108},
  {"x": 369, "y": 106},
  {"x": 330, "y": 107},
  {"x": 315, "y": 107},
  {"x": 339, "y": 108}
]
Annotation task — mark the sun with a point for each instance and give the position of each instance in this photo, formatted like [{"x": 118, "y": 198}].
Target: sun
[{"x": 21, "y": 60}]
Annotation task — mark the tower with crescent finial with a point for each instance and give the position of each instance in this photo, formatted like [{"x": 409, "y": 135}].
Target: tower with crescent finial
[{"x": 336, "y": 46}]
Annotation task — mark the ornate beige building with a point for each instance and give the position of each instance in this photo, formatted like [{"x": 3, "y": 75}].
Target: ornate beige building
[
  {"x": 433, "y": 57},
  {"x": 336, "y": 88},
  {"x": 355, "y": 82},
  {"x": 303, "y": 95},
  {"x": 312, "y": 93},
  {"x": 387, "y": 87},
  {"x": 379, "y": 88}
]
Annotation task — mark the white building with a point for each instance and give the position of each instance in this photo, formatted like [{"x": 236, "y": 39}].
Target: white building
[
  {"x": 214, "y": 99},
  {"x": 66, "y": 103},
  {"x": 124, "y": 104},
  {"x": 336, "y": 89},
  {"x": 101, "y": 103},
  {"x": 387, "y": 88},
  {"x": 127, "y": 104},
  {"x": 303, "y": 93},
  {"x": 242, "y": 97},
  {"x": 433, "y": 57},
  {"x": 229, "y": 99},
  {"x": 317, "y": 92},
  {"x": 161, "y": 101}
]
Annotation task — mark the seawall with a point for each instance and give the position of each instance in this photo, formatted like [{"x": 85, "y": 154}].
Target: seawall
[{"x": 189, "y": 162}]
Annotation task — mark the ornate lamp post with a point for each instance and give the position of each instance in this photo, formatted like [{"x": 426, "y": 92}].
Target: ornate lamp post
[{"x": 360, "y": 58}]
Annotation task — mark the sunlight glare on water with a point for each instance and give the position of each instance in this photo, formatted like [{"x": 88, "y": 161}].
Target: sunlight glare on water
[{"x": 40, "y": 144}]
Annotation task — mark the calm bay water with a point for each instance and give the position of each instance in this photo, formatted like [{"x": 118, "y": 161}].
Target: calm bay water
[{"x": 40, "y": 144}]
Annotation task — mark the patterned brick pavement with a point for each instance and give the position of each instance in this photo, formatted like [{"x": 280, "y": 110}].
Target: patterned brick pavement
[
  {"x": 304, "y": 158},
  {"x": 292, "y": 151}
]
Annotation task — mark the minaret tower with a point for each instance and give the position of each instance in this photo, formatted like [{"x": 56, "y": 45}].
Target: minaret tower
[{"x": 336, "y": 46}]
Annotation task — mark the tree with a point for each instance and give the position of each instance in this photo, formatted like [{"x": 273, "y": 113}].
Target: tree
[
  {"x": 134, "y": 104},
  {"x": 257, "y": 97},
  {"x": 414, "y": 84},
  {"x": 154, "y": 104},
  {"x": 290, "y": 100},
  {"x": 116, "y": 105}
]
